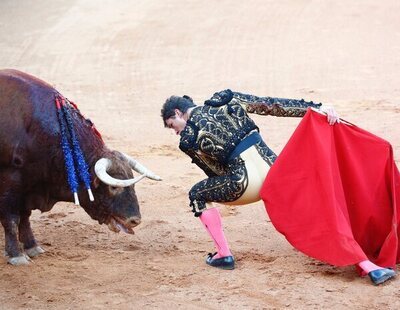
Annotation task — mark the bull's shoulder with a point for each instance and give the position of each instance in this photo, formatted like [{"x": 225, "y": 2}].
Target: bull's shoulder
[
  {"x": 22, "y": 93},
  {"x": 15, "y": 78},
  {"x": 27, "y": 110}
]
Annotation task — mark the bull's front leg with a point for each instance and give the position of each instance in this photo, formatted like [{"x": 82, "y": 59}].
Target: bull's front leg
[
  {"x": 10, "y": 205},
  {"x": 15, "y": 255},
  {"x": 26, "y": 236}
]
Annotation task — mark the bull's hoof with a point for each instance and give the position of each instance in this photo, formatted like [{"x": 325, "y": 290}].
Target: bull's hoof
[
  {"x": 35, "y": 251},
  {"x": 19, "y": 260}
]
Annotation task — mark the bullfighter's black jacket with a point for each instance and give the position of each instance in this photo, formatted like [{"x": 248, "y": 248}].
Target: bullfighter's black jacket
[{"x": 214, "y": 131}]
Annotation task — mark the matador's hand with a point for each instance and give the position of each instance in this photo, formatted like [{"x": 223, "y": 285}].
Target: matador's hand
[{"x": 331, "y": 114}]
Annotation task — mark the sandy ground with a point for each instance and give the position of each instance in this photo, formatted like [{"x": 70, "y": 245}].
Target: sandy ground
[{"x": 119, "y": 61}]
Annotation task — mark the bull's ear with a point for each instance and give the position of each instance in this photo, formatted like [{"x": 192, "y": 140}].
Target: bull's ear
[{"x": 96, "y": 182}]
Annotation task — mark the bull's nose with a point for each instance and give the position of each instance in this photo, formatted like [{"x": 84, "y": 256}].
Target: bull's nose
[{"x": 134, "y": 221}]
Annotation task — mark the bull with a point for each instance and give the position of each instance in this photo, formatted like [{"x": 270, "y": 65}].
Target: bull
[{"x": 32, "y": 170}]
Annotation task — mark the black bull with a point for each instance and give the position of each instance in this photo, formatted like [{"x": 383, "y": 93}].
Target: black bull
[{"x": 32, "y": 170}]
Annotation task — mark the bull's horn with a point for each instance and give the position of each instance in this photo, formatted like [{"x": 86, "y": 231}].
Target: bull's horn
[
  {"x": 135, "y": 165},
  {"x": 101, "y": 168}
]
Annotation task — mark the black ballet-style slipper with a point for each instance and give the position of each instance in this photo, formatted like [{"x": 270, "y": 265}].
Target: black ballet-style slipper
[
  {"x": 380, "y": 276},
  {"x": 227, "y": 262}
]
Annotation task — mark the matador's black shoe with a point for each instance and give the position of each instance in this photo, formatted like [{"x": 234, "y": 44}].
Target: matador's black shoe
[
  {"x": 227, "y": 262},
  {"x": 381, "y": 275}
]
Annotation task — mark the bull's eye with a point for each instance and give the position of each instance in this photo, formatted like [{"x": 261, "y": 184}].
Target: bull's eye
[{"x": 115, "y": 190}]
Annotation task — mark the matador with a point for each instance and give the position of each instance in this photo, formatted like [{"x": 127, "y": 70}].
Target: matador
[{"x": 225, "y": 143}]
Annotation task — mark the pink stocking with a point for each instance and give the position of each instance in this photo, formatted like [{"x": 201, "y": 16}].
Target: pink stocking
[
  {"x": 211, "y": 220},
  {"x": 367, "y": 266}
]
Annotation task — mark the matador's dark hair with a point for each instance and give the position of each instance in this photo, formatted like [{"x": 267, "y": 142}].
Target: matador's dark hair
[{"x": 175, "y": 102}]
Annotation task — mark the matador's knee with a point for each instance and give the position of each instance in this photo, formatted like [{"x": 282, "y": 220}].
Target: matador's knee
[{"x": 197, "y": 205}]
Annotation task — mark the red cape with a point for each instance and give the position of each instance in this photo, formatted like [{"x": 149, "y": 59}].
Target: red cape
[{"x": 334, "y": 192}]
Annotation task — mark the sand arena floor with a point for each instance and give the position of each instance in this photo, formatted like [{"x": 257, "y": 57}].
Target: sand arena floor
[{"x": 119, "y": 61}]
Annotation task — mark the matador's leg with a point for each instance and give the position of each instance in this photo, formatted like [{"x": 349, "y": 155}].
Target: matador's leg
[
  {"x": 225, "y": 188},
  {"x": 212, "y": 222}
]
